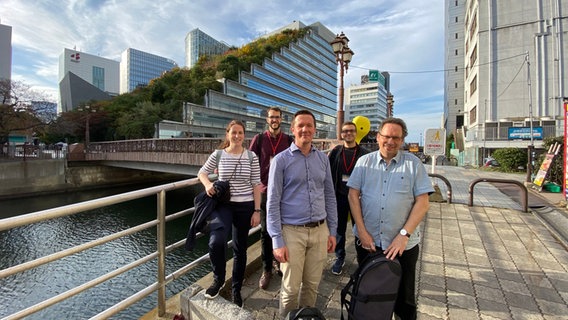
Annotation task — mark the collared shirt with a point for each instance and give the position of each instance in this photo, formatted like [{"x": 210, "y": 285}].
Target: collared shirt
[
  {"x": 265, "y": 146},
  {"x": 388, "y": 194},
  {"x": 300, "y": 191}
]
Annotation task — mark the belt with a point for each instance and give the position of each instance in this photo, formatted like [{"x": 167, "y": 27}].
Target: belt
[{"x": 312, "y": 224}]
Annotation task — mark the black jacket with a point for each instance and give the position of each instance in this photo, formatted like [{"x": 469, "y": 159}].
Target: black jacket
[{"x": 204, "y": 205}]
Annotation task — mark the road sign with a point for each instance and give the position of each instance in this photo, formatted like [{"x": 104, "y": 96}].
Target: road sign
[{"x": 435, "y": 142}]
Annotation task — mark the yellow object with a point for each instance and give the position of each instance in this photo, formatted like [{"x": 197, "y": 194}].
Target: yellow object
[{"x": 363, "y": 126}]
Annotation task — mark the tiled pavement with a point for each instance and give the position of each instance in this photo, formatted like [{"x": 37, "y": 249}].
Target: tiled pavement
[{"x": 489, "y": 261}]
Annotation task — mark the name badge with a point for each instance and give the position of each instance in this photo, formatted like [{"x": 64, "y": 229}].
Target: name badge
[{"x": 345, "y": 178}]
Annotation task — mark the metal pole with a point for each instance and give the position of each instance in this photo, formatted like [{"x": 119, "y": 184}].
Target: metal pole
[
  {"x": 161, "y": 233},
  {"x": 531, "y": 146},
  {"x": 340, "y": 112}
]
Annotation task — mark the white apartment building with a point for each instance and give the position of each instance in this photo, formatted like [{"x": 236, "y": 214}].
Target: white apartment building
[
  {"x": 368, "y": 99},
  {"x": 514, "y": 72}
]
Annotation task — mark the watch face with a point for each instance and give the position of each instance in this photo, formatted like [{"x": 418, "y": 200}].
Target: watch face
[{"x": 404, "y": 232}]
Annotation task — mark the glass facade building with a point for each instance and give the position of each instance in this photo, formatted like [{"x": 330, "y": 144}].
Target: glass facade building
[
  {"x": 300, "y": 76},
  {"x": 198, "y": 43},
  {"x": 138, "y": 68}
]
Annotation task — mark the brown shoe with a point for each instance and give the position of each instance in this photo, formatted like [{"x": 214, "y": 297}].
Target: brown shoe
[{"x": 264, "y": 280}]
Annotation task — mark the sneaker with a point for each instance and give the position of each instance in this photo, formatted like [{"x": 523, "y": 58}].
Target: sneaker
[
  {"x": 338, "y": 267},
  {"x": 237, "y": 299},
  {"x": 214, "y": 289}
]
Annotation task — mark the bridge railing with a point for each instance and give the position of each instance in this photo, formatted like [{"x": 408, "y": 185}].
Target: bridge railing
[{"x": 159, "y": 254}]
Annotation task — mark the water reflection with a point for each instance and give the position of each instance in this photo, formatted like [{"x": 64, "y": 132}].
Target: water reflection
[{"x": 29, "y": 242}]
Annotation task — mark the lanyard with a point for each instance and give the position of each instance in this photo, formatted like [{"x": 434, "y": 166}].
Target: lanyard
[
  {"x": 352, "y": 163},
  {"x": 274, "y": 147}
]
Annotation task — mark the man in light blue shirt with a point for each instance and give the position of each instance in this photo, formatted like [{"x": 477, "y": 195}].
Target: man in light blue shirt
[
  {"x": 301, "y": 214},
  {"x": 388, "y": 197}
]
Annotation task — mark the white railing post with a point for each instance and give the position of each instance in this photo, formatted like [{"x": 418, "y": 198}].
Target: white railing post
[{"x": 161, "y": 232}]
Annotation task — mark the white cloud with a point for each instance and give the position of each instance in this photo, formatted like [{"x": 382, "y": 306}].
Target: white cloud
[{"x": 404, "y": 35}]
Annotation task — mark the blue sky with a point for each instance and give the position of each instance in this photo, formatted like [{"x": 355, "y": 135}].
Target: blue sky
[{"x": 404, "y": 37}]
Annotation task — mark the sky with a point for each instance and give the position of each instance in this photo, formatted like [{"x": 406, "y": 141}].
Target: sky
[{"x": 403, "y": 37}]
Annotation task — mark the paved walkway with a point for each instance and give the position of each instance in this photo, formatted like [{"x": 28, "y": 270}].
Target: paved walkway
[{"x": 489, "y": 261}]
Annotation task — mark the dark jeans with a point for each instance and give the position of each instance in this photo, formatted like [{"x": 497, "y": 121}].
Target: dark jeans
[
  {"x": 233, "y": 218},
  {"x": 343, "y": 212},
  {"x": 265, "y": 239},
  {"x": 405, "y": 306}
]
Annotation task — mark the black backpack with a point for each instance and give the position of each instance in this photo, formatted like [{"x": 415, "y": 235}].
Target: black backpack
[
  {"x": 305, "y": 314},
  {"x": 371, "y": 291}
]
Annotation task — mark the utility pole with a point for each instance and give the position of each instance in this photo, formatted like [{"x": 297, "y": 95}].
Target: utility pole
[{"x": 530, "y": 148}]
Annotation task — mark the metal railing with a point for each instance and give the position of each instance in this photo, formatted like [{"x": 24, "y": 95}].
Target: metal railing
[
  {"x": 524, "y": 191},
  {"x": 160, "y": 254}
]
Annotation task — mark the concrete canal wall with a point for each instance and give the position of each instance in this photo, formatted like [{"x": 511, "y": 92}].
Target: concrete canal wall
[{"x": 27, "y": 178}]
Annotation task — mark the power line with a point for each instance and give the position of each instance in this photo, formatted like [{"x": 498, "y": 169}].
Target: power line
[{"x": 442, "y": 70}]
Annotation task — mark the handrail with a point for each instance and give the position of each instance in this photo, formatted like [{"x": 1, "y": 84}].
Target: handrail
[
  {"x": 448, "y": 185},
  {"x": 524, "y": 190},
  {"x": 160, "y": 254}
]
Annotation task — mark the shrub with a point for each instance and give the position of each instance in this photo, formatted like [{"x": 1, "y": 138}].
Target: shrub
[{"x": 511, "y": 159}]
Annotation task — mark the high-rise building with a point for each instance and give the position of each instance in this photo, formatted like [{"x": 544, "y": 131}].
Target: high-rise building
[
  {"x": 368, "y": 99},
  {"x": 300, "y": 76},
  {"x": 515, "y": 75},
  {"x": 84, "y": 77},
  {"x": 198, "y": 43},
  {"x": 5, "y": 52},
  {"x": 137, "y": 68},
  {"x": 453, "y": 65}
]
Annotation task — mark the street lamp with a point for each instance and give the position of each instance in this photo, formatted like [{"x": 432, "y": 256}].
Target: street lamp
[{"x": 343, "y": 56}]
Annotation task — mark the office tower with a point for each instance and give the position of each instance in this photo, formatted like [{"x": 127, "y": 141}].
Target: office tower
[
  {"x": 137, "y": 68},
  {"x": 300, "y": 76},
  {"x": 198, "y": 43},
  {"x": 453, "y": 65},
  {"x": 514, "y": 74},
  {"x": 84, "y": 77},
  {"x": 5, "y": 52},
  {"x": 368, "y": 99}
]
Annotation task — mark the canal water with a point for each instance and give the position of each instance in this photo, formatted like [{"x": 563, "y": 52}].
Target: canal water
[{"x": 30, "y": 242}]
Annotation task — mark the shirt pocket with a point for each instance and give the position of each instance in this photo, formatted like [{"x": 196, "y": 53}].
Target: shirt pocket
[{"x": 402, "y": 184}]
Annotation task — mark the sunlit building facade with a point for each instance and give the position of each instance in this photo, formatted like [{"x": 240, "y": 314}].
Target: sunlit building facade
[
  {"x": 137, "y": 68},
  {"x": 368, "y": 99},
  {"x": 84, "y": 77},
  {"x": 198, "y": 43},
  {"x": 301, "y": 76}
]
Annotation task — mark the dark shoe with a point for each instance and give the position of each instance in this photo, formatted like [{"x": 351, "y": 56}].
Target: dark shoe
[
  {"x": 276, "y": 266},
  {"x": 237, "y": 299},
  {"x": 264, "y": 280},
  {"x": 337, "y": 267},
  {"x": 214, "y": 289}
]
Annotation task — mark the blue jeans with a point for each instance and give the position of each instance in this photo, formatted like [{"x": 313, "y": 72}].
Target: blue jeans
[{"x": 232, "y": 218}]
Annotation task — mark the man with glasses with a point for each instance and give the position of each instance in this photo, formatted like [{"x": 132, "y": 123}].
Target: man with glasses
[
  {"x": 342, "y": 159},
  {"x": 388, "y": 197},
  {"x": 266, "y": 145}
]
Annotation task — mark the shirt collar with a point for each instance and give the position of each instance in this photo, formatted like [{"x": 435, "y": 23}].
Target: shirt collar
[
  {"x": 396, "y": 158},
  {"x": 294, "y": 148}
]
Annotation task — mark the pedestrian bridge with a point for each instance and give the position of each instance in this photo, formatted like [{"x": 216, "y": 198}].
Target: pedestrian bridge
[{"x": 179, "y": 156}]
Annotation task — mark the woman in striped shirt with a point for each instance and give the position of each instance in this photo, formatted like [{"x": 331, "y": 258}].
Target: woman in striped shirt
[{"x": 240, "y": 167}]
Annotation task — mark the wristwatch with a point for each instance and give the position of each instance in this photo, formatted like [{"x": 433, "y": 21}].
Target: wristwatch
[
  {"x": 404, "y": 232},
  {"x": 256, "y": 210}
]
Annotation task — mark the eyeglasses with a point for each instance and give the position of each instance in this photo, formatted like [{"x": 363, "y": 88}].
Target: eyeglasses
[
  {"x": 394, "y": 138},
  {"x": 348, "y": 131},
  {"x": 274, "y": 117}
]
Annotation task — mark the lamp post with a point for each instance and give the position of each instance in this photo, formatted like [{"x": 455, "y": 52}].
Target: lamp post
[{"x": 343, "y": 56}]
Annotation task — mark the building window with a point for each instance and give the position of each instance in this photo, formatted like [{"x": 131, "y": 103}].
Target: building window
[
  {"x": 456, "y": 19},
  {"x": 473, "y": 85},
  {"x": 99, "y": 78},
  {"x": 456, "y": 102},
  {"x": 456, "y": 3},
  {"x": 456, "y": 68},
  {"x": 473, "y": 57},
  {"x": 456, "y": 52},
  {"x": 473, "y": 115},
  {"x": 456, "y": 35},
  {"x": 455, "y": 85}
]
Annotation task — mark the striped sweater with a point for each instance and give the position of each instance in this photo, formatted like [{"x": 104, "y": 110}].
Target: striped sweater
[{"x": 246, "y": 173}]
